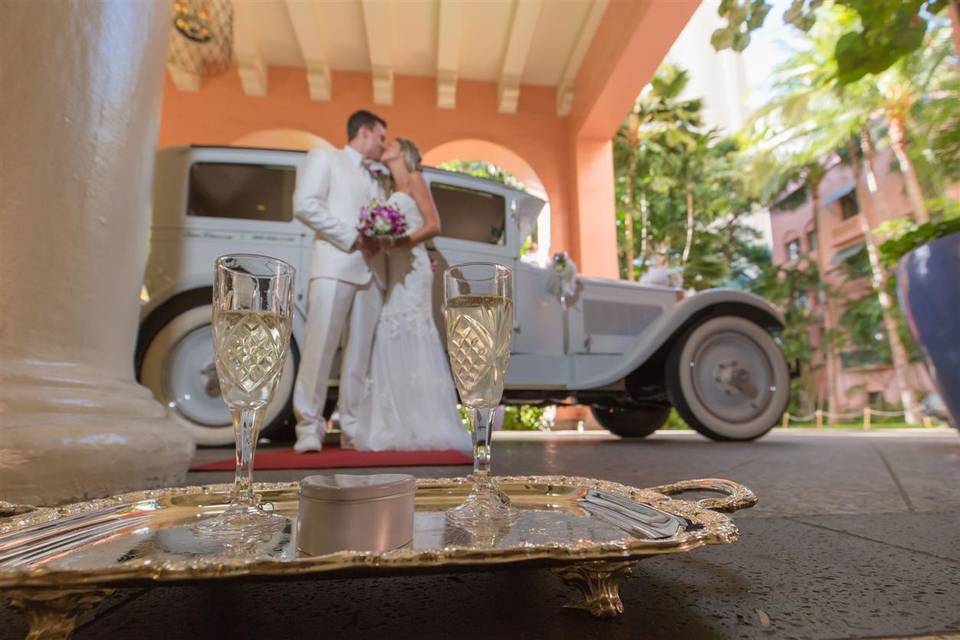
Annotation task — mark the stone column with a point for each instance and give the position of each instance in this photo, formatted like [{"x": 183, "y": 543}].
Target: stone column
[{"x": 80, "y": 90}]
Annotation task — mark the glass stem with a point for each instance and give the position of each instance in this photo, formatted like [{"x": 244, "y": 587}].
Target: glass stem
[
  {"x": 246, "y": 426},
  {"x": 482, "y": 419}
]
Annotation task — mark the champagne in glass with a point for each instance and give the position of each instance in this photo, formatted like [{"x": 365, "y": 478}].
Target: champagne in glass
[
  {"x": 252, "y": 312},
  {"x": 478, "y": 310}
]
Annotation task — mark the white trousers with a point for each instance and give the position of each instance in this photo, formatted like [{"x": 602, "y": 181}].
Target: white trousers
[{"x": 335, "y": 308}]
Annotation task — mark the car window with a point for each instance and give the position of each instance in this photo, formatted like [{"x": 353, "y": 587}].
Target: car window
[
  {"x": 469, "y": 214},
  {"x": 245, "y": 191}
]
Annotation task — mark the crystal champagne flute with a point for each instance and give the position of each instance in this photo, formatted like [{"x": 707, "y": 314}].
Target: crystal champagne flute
[
  {"x": 252, "y": 312},
  {"x": 478, "y": 310}
]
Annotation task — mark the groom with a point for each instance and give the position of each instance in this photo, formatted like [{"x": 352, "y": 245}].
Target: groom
[{"x": 346, "y": 276}]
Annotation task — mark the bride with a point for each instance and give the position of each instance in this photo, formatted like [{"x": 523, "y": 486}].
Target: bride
[{"x": 412, "y": 402}]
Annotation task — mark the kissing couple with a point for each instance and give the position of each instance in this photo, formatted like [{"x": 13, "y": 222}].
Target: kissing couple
[{"x": 373, "y": 296}]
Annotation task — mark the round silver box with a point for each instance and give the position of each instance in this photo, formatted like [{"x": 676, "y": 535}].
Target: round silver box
[{"x": 360, "y": 513}]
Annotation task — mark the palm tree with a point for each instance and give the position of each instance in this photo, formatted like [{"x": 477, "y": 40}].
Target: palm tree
[
  {"x": 878, "y": 275},
  {"x": 794, "y": 178},
  {"x": 810, "y": 117},
  {"x": 660, "y": 127},
  {"x": 898, "y": 92}
]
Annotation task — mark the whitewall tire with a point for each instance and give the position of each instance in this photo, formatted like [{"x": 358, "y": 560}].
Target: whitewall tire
[
  {"x": 178, "y": 366},
  {"x": 728, "y": 379}
]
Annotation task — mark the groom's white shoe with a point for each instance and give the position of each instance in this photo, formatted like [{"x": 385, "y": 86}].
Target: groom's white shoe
[{"x": 307, "y": 443}]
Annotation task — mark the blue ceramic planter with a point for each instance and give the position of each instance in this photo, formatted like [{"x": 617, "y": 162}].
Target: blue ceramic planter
[{"x": 928, "y": 280}]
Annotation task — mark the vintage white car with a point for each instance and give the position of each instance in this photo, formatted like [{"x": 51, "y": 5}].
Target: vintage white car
[{"x": 627, "y": 350}]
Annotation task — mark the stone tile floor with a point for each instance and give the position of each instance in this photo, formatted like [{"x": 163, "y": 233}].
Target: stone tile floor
[{"x": 857, "y": 535}]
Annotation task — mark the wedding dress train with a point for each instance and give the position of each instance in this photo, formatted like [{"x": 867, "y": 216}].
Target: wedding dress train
[{"x": 412, "y": 401}]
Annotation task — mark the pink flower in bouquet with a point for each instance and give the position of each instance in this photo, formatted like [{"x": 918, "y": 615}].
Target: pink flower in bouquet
[{"x": 380, "y": 219}]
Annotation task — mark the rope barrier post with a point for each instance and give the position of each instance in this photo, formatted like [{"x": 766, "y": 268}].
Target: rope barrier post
[
  {"x": 867, "y": 414},
  {"x": 927, "y": 422},
  {"x": 786, "y": 419},
  {"x": 819, "y": 414}
]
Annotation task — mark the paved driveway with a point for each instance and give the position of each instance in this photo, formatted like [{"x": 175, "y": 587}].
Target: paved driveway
[{"x": 856, "y": 535}]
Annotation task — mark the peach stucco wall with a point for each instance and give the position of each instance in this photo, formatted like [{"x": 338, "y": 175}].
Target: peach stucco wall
[{"x": 220, "y": 113}]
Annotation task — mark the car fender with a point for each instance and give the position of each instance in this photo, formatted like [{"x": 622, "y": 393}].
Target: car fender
[
  {"x": 688, "y": 312},
  {"x": 161, "y": 291}
]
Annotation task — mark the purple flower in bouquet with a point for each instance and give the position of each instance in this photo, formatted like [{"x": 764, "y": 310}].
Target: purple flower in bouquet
[{"x": 380, "y": 219}]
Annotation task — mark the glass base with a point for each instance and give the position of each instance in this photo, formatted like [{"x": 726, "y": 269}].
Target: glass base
[
  {"x": 240, "y": 522},
  {"x": 486, "y": 506}
]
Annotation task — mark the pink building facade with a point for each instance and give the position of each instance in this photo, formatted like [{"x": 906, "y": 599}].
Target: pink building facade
[{"x": 860, "y": 378}]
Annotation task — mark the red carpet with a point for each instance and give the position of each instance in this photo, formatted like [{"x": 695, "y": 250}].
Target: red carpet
[{"x": 335, "y": 457}]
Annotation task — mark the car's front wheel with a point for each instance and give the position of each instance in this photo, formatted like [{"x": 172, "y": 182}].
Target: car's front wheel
[
  {"x": 728, "y": 379},
  {"x": 631, "y": 423},
  {"x": 177, "y": 364}
]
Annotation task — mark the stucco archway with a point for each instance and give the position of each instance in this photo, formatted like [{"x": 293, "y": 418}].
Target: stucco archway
[
  {"x": 488, "y": 152},
  {"x": 483, "y": 150},
  {"x": 295, "y": 139}
]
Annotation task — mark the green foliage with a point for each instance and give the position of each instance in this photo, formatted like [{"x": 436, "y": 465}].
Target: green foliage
[
  {"x": 863, "y": 322},
  {"x": 486, "y": 170},
  {"x": 670, "y": 169},
  {"x": 675, "y": 422},
  {"x": 885, "y": 30},
  {"x": 743, "y": 17},
  {"x": 939, "y": 114},
  {"x": 784, "y": 286},
  {"x": 857, "y": 266},
  {"x": 907, "y": 236},
  {"x": 522, "y": 418},
  {"x": 515, "y": 418}
]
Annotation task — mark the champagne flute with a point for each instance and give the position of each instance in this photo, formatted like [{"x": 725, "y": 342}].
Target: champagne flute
[
  {"x": 478, "y": 309},
  {"x": 252, "y": 313}
]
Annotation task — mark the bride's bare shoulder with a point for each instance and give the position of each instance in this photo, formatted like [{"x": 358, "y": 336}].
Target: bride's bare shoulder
[{"x": 418, "y": 184}]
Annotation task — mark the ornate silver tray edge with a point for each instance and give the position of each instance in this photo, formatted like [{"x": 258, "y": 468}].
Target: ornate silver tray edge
[{"x": 716, "y": 529}]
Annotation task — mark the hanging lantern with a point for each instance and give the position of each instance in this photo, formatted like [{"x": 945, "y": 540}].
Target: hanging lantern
[{"x": 201, "y": 41}]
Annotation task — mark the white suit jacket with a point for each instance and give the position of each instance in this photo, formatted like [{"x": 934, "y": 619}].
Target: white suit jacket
[{"x": 331, "y": 189}]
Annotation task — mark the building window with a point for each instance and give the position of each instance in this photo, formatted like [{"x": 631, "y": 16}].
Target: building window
[
  {"x": 793, "y": 249},
  {"x": 875, "y": 399},
  {"x": 803, "y": 300},
  {"x": 812, "y": 240},
  {"x": 849, "y": 206}
]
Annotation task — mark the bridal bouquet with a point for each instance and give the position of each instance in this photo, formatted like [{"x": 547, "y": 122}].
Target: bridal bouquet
[{"x": 381, "y": 220}]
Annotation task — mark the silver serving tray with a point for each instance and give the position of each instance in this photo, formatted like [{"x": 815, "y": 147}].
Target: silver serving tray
[{"x": 145, "y": 538}]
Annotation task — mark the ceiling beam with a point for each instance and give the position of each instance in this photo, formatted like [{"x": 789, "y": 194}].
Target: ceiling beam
[
  {"x": 377, "y": 22},
  {"x": 630, "y": 43},
  {"x": 565, "y": 88},
  {"x": 448, "y": 52},
  {"x": 524, "y": 23},
  {"x": 306, "y": 24},
  {"x": 250, "y": 65}
]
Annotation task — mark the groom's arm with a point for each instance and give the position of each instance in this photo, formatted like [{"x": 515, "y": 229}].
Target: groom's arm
[{"x": 311, "y": 202}]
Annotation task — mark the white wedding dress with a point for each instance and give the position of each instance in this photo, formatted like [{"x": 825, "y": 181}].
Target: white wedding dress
[{"x": 412, "y": 403}]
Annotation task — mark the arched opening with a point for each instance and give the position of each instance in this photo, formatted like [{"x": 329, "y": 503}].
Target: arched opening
[
  {"x": 512, "y": 164},
  {"x": 294, "y": 139}
]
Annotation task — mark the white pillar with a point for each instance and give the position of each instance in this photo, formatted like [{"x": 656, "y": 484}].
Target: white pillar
[{"x": 80, "y": 89}]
